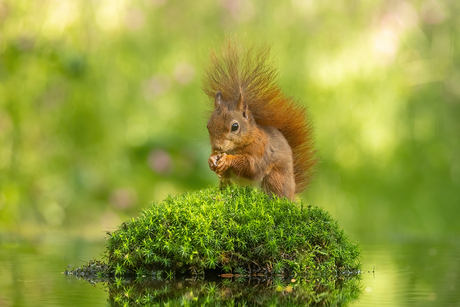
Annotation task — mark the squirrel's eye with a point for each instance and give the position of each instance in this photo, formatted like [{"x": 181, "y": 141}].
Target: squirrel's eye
[{"x": 235, "y": 127}]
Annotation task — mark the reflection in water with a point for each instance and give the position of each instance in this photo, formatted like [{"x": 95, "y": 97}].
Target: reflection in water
[
  {"x": 408, "y": 273},
  {"x": 240, "y": 291}
]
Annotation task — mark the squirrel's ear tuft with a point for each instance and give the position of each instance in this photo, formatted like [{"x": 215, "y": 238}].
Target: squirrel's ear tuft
[
  {"x": 218, "y": 100},
  {"x": 242, "y": 105}
]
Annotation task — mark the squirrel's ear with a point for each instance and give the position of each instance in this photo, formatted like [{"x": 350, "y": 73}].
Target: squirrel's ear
[
  {"x": 218, "y": 100},
  {"x": 242, "y": 105}
]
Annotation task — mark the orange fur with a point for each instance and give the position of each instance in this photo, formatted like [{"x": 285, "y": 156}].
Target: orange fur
[{"x": 253, "y": 74}]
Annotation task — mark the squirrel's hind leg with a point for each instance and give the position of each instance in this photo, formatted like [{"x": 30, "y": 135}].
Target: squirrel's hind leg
[{"x": 279, "y": 183}]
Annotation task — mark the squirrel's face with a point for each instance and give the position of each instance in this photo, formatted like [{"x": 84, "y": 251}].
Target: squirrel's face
[{"x": 229, "y": 125}]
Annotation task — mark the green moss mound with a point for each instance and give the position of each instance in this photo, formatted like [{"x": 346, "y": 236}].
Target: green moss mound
[{"x": 238, "y": 230}]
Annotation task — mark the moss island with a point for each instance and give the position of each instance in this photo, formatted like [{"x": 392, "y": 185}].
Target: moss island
[{"x": 235, "y": 231}]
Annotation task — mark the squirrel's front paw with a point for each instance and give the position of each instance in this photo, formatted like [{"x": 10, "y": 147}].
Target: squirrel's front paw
[
  {"x": 212, "y": 161},
  {"x": 223, "y": 164}
]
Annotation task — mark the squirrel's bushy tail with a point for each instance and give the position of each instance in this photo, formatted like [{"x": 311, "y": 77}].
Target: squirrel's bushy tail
[{"x": 253, "y": 74}]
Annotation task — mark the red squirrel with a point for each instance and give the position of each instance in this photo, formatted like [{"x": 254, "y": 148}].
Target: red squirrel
[{"x": 256, "y": 132}]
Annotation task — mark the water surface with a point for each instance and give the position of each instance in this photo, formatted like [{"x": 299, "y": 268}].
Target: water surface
[{"x": 414, "y": 273}]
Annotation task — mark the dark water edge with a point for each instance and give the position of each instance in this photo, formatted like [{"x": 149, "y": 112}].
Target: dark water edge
[{"x": 409, "y": 273}]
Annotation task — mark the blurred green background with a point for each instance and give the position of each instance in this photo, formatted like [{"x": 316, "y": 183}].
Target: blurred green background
[{"x": 101, "y": 108}]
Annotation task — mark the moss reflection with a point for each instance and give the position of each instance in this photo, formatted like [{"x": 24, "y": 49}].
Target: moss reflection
[{"x": 234, "y": 291}]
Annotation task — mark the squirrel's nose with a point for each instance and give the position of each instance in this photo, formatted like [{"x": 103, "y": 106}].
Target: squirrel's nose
[{"x": 216, "y": 148}]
